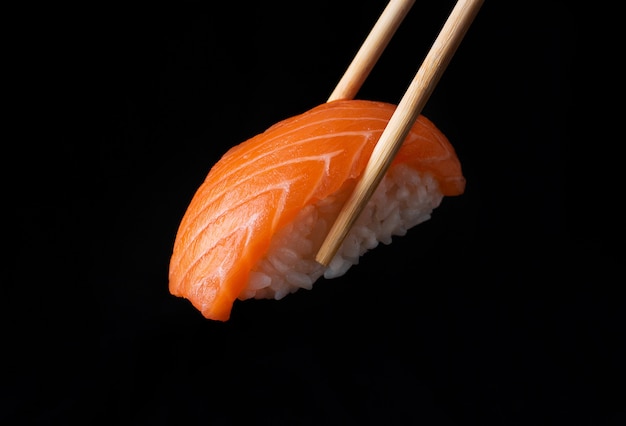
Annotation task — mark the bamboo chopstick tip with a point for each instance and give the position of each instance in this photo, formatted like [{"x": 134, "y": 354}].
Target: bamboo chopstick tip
[
  {"x": 324, "y": 257},
  {"x": 321, "y": 261},
  {"x": 330, "y": 246}
]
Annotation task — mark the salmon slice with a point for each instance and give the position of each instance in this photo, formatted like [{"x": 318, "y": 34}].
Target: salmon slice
[{"x": 261, "y": 185}]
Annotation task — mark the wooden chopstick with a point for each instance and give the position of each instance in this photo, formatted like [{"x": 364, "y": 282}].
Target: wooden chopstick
[
  {"x": 401, "y": 121},
  {"x": 371, "y": 49}
]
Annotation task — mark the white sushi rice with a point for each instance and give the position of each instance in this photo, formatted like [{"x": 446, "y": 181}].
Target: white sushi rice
[{"x": 403, "y": 199}]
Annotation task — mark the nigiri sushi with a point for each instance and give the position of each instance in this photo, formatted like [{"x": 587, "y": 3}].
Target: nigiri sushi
[{"x": 255, "y": 224}]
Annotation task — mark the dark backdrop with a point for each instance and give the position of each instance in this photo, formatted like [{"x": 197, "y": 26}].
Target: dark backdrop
[{"x": 502, "y": 309}]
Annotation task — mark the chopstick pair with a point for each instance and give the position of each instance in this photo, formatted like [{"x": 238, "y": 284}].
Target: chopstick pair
[{"x": 409, "y": 107}]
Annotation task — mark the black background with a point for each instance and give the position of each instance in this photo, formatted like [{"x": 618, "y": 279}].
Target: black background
[{"x": 502, "y": 309}]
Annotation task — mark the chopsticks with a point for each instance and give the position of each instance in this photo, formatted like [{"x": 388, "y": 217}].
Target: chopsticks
[{"x": 409, "y": 108}]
